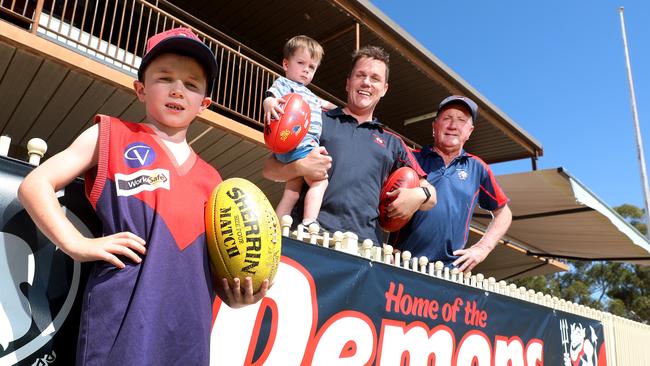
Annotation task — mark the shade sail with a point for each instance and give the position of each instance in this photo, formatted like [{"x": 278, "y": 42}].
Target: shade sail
[
  {"x": 508, "y": 261},
  {"x": 554, "y": 215}
]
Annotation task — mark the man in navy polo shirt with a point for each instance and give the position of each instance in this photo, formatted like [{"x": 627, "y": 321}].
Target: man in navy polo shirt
[
  {"x": 357, "y": 154},
  {"x": 461, "y": 180}
]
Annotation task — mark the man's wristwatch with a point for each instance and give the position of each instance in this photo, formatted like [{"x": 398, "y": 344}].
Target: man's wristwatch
[{"x": 426, "y": 193}]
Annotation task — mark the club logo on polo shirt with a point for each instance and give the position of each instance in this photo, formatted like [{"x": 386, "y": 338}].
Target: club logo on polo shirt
[
  {"x": 462, "y": 174},
  {"x": 139, "y": 155},
  {"x": 142, "y": 180},
  {"x": 379, "y": 140}
]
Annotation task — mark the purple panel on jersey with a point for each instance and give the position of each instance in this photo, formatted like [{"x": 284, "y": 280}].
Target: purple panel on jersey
[{"x": 154, "y": 313}]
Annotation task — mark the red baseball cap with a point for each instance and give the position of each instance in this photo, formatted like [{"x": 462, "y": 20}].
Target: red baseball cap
[{"x": 180, "y": 41}]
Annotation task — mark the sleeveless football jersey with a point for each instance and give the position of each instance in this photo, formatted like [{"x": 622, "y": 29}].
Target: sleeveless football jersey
[{"x": 157, "y": 312}]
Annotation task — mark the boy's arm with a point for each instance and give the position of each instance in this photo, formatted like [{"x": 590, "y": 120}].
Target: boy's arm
[
  {"x": 327, "y": 105},
  {"x": 273, "y": 98},
  {"x": 37, "y": 194},
  {"x": 314, "y": 166}
]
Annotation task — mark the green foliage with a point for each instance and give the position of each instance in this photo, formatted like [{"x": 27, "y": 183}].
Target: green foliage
[
  {"x": 629, "y": 211},
  {"x": 620, "y": 288},
  {"x": 634, "y": 215},
  {"x": 617, "y": 307}
]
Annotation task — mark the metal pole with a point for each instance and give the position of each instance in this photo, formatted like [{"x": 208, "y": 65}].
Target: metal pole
[{"x": 637, "y": 130}]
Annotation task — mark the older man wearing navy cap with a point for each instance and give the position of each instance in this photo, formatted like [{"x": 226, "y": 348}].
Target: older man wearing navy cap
[{"x": 461, "y": 180}]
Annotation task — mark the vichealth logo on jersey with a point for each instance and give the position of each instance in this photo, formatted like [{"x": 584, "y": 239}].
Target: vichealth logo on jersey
[
  {"x": 139, "y": 154},
  {"x": 142, "y": 180}
]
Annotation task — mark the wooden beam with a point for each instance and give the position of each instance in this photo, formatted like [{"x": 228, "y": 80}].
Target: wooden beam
[
  {"x": 45, "y": 48},
  {"x": 336, "y": 33}
]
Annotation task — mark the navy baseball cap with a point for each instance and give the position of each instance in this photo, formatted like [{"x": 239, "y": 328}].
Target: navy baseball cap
[
  {"x": 459, "y": 99},
  {"x": 180, "y": 41}
]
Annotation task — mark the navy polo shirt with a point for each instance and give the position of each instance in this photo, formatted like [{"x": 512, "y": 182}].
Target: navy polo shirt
[
  {"x": 437, "y": 233},
  {"x": 363, "y": 155}
]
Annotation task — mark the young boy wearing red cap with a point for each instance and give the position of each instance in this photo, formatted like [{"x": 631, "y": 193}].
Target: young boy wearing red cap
[{"x": 148, "y": 188}]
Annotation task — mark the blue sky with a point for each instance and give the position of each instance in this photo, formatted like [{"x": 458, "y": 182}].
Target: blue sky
[{"x": 557, "y": 68}]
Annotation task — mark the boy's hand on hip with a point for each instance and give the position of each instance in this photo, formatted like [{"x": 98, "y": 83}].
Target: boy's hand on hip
[{"x": 108, "y": 248}]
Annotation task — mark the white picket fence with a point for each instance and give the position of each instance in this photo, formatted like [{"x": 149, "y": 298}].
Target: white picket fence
[{"x": 626, "y": 340}]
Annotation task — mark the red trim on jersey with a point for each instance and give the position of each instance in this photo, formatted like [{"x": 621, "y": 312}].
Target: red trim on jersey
[
  {"x": 98, "y": 176},
  {"x": 499, "y": 196},
  {"x": 413, "y": 162},
  {"x": 488, "y": 192},
  {"x": 181, "y": 169},
  {"x": 114, "y": 137},
  {"x": 470, "y": 212}
]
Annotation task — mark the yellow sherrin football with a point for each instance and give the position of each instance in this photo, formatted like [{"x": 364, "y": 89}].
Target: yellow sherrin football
[{"x": 243, "y": 232}]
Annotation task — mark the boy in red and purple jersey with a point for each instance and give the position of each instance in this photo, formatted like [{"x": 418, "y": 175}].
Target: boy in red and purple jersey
[{"x": 149, "y": 189}]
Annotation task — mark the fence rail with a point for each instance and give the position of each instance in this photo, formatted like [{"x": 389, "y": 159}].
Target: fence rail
[{"x": 116, "y": 31}]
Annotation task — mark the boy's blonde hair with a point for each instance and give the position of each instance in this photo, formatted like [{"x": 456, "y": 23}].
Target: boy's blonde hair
[{"x": 303, "y": 42}]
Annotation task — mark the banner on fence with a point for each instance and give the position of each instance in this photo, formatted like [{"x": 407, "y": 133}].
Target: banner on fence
[{"x": 325, "y": 308}]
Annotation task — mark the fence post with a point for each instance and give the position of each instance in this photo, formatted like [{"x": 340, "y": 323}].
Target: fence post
[{"x": 37, "y": 16}]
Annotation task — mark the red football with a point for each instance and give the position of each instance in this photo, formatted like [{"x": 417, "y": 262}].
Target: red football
[
  {"x": 284, "y": 134},
  {"x": 404, "y": 177}
]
